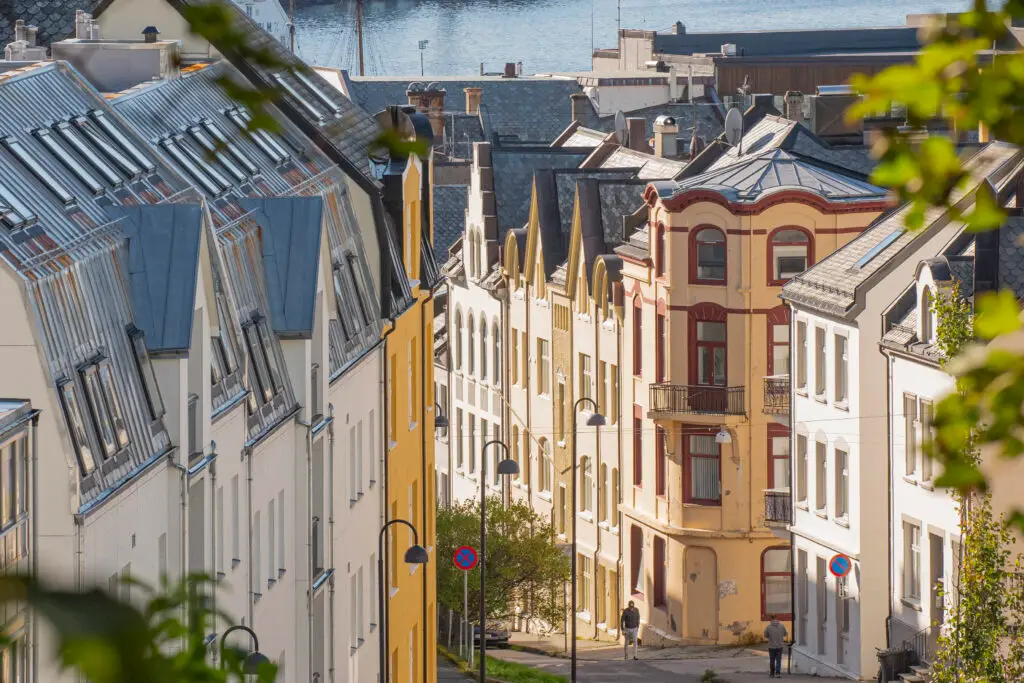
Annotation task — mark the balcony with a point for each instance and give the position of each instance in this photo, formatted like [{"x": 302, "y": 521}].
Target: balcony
[
  {"x": 778, "y": 507},
  {"x": 697, "y": 400},
  {"x": 776, "y": 395}
]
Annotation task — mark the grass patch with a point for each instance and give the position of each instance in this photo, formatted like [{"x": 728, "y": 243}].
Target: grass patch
[{"x": 510, "y": 672}]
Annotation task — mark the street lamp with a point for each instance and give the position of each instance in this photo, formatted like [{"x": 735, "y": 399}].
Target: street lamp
[
  {"x": 440, "y": 419},
  {"x": 506, "y": 467},
  {"x": 253, "y": 660},
  {"x": 415, "y": 554},
  {"x": 596, "y": 419}
]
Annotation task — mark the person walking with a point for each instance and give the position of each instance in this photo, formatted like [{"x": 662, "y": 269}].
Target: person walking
[
  {"x": 775, "y": 634},
  {"x": 630, "y": 623}
]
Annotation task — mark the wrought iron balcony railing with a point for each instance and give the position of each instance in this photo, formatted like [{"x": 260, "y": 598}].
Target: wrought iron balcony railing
[
  {"x": 776, "y": 394},
  {"x": 696, "y": 399},
  {"x": 778, "y": 507}
]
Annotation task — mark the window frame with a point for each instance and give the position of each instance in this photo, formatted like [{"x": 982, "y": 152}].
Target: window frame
[
  {"x": 690, "y": 432},
  {"x": 636, "y": 564},
  {"x": 513, "y": 357},
  {"x": 782, "y": 616},
  {"x": 661, "y": 343},
  {"x": 910, "y": 468},
  {"x": 658, "y": 246},
  {"x": 820, "y": 477},
  {"x": 660, "y": 466},
  {"x": 708, "y": 313},
  {"x": 820, "y": 362},
  {"x": 802, "y": 353},
  {"x": 842, "y": 482},
  {"x": 841, "y": 369},
  {"x": 912, "y": 573},
  {"x": 586, "y": 376},
  {"x": 778, "y": 431},
  {"x": 459, "y": 343},
  {"x": 483, "y": 349},
  {"x": 144, "y": 366},
  {"x": 660, "y": 572},
  {"x": 695, "y": 261},
  {"x": 926, "y": 417},
  {"x": 638, "y": 335},
  {"x": 779, "y": 317},
  {"x": 586, "y": 501},
  {"x": 543, "y": 367},
  {"x": 774, "y": 281},
  {"x": 76, "y": 421},
  {"x": 638, "y": 447},
  {"x": 803, "y": 469},
  {"x": 470, "y": 345}
]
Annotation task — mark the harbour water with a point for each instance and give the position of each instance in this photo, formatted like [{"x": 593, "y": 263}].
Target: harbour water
[{"x": 550, "y": 35}]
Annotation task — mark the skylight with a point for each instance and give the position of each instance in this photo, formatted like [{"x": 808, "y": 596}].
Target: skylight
[
  {"x": 122, "y": 140},
  {"x": 206, "y": 143},
  {"x": 120, "y": 160},
  {"x": 13, "y": 213},
  {"x": 320, "y": 94},
  {"x": 72, "y": 137},
  {"x": 17, "y": 149},
  {"x": 197, "y": 173},
  {"x": 297, "y": 96},
  {"x": 199, "y": 161},
  {"x": 68, "y": 161},
  {"x": 879, "y": 248},
  {"x": 238, "y": 154},
  {"x": 262, "y": 139}
]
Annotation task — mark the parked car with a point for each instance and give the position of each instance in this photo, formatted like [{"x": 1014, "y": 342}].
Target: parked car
[{"x": 497, "y": 634}]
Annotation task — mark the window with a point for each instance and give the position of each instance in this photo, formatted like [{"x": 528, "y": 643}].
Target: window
[
  {"x": 778, "y": 457},
  {"x": 70, "y": 163},
  {"x": 911, "y": 561},
  {"x": 264, "y": 363},
  {"x": 661, "y": 339},
  {"x": 776, "y": 584},
  {"x": 703, "y": 469},
  {"x": 660, "y": 244},
  {"x": 72, "y": 137},
  {"x": 271, "y": 540},
  {"x": 560, "y": 412},
  {"x": 801, "y": 355},
  {"x": 76, "y": 426},
  {"x": 391, "y": 417},
  {"x": 472, "y": 443},
  {"x": 638, "y": 335},
  {"x": 613, "y": 372},
  {"x": 513, "y": 358},
  {"x": 543, "y": 366},
  {"x": 460, "y": 442},
  {"x": 638, "y": 446},
  {"x": 821, "y": 478},
  {"x": 18, "y": 151},
  {"x": 789, "y": 254},
  {"x": 801, "y": 468},
  {"x": 927, "y": 412},
  {"x": 778, "y": 341},
  {"x": 585, "y": 587},
  {"x": 586, "y": 376},
  {"x": 586, "y": 485},
  {"x": 458, "y": 339},
  {"x": 547, "y": 467},
  {"x": 660, "y": 569},
  {"x": 105, "y": 407},
  {"x": 842, "y": 483},
  {"x": 910, "y": 433},
  {"x": 710, "y": 353},
  {"x": 707, "y": 259},
  {"x": 614, "y": 516},
  {"x": 602, "y": 388},
  {"x": 354, "y": 479},
  {"x": 820, "y": 375},
  {"x": 483, "y": 349},
  {"x": 14, "y": 474},
  {"x": 562, "y": 512},
  {"x": 410, "y": 392},
  {"x": 602, "y": 498},
  {"x": 496, "y": 350},
  {"x": 636, "y": 564},
  {"x": 145, "y": 368},
  {"x": 660, "y": 485},
  {"x": 470, "y": 346},
  {"x": 842, "y": 369},
  {"x": 524, "y": 349}
]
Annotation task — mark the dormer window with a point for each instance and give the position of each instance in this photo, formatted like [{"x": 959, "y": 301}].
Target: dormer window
[
  {"x": 76, "y": 423},
  {"x": 927, "y": 316},
  {"x": 145, "y": 368},
  {"x": 104, "y": 406},
  {"x": 265, "y": 369}
]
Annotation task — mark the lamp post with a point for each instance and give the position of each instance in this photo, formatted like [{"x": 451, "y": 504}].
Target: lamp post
[
  {"x": 416, "y": 554},
  {"x": 596, "y": 419},
  {"x": 506, "y": 466},
  {"x": 422, "y": 46},
  {"x": 255, "y": 659}
]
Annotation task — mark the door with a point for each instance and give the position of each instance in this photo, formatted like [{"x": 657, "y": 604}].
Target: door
[{"x": 702, "y": 594}]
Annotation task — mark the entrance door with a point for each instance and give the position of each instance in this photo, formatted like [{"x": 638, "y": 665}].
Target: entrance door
[{"x": 702, "y": 594}]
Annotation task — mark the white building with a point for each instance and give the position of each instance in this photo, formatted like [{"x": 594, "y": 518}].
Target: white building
[
  {"x": 840, "y": 444},
  {"x": 270, "y": 16}
]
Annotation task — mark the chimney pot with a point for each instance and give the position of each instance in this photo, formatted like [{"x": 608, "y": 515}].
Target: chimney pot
[
  {"x": 150, "y": 33},
  {"x": 19, "y": 29},
  {"x": 666, "y": 131},
  {"x": 637, "y": 132},
  {"x": 794, "y": 104},
  {"x": 510, "y": 70},
  {"x": 473, "y": 97},
  {"x": 431, "y": 103},
  {"x": 579, "y": 104}
]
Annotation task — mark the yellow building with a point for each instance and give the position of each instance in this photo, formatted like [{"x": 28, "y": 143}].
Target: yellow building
[{"x": 409, "y": 456}]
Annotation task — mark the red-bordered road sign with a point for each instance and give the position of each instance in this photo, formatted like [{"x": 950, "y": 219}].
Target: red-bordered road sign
[
  {"x": 465, "y": 558},
  {"x": 840, "y": 565}
]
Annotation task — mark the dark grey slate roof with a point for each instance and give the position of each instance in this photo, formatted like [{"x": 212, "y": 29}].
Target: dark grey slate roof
[
  {"x": 530, "y": 109},
  {"x": 701, "y": 114},
  {"x": 290, "y": 236},
  {"x": 513, "y": 178},
  {"x": 55, "y": 19},
  {"x": 793, "y": 42},
  {"x": 603, "y": 204},
  {"x": 1011, "y": 255},
  {"x": 163, "y": 266},
  {"x": 450, "y": 202}
]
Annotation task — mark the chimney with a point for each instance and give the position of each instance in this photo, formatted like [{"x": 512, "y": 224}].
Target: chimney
[
  {"x": 986, "y": 261},
  {"x": 149, "y": 34},
  {"x": 510, "y": 70},
  {"x": 473, "y": 97},
  {"x": 579, "y": 106},
  {"x": 636, "y": 132},
  {"x": 19, "y": 30},
  {"x": 794, "y": 105},
  {"x": 81, "y": 25},
  {"x": 765, "y": 101},
  {"x": 23, "y": 48},
  {"x": 431, "y": 103},
  {"x": 673, "y": 84},
  {"x": 679, "y": 29},
  {"x": 665, "y": 131}
]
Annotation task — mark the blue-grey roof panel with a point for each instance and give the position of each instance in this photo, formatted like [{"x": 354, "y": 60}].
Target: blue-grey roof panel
[
  {"x": 793, "y": 42},
  {"x": 290, "y": 237},
  {"x": 163, "y": 264}
]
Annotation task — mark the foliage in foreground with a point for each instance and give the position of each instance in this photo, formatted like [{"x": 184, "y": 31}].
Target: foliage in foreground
[
  {"x": 525, "y": 568},
  {"x": 108, "y": 640}
]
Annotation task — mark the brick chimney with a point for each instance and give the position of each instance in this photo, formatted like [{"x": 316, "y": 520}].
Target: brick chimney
[
  {"x": 665, "y": 131},
  {"x": 637, "y": 133},
  {"x": 580, "y": 105},
  {"x": 794, "y": 105},
  {"x": 510, "y": 70},
  {"x": 431, "y": 103},
  {"x": 473, "y": 97}
]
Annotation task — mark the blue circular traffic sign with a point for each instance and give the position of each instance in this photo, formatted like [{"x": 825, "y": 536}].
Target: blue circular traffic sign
[
  {"x": 465, "y": 558},
  {"x": 840, "y": 565}
]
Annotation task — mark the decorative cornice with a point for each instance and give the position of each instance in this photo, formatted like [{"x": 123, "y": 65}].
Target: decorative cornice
[{"x": 687, "y": 198}]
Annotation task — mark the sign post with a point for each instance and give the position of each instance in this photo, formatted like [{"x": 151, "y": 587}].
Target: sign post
[{"x": 465, "y": 558}]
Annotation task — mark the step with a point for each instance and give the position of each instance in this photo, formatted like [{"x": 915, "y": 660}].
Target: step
[
  {"x": 922, "y": 670},
  {"x": 913, "y": 678}
]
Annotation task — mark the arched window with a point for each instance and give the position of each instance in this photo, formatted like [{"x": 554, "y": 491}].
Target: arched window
[
  {"x": 470, "y": 346},
  {"x": 458, "y": 339},
  {"x": 638, "y": 335},
  {"x": 547, "y": 466},
  {"x": 790, "y": 252},
  {"x": 497, "y": 353},
  {"x": 515, "y": 453},
  {"x": 586, "y": 485},
  {"x": 707, "y": 257},
  {"x": 613, "y": 505},
  {"x": 927, "y": 316},
  {"x": 776, "y": 586},
  {"x": 659, "y": 248},
  {"x": 483, "y": 349}
]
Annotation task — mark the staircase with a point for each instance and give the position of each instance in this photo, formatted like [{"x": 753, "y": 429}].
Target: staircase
[
  {"x": 912, "y": 663},
  {"x": 920, "y": 673}
]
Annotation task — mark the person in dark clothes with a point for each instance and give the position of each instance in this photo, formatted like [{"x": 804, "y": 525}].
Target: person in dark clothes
[{"x": 630, "y": 623}]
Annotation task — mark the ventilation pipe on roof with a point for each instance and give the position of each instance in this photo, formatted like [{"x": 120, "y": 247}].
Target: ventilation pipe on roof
[
  {"x": 673, "y": 84},
  {"x": 149, "y": 34},
  {"x": 473, "y": 97}
]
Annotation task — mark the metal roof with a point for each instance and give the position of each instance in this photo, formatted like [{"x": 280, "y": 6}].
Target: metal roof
[{"x": 792, "y": 42}]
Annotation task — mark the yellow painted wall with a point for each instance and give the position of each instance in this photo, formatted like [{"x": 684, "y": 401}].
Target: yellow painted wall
[{"x": 410, "y": 465}]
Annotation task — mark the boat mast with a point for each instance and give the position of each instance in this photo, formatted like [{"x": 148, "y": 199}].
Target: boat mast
[{"x": 359, "y": 30}]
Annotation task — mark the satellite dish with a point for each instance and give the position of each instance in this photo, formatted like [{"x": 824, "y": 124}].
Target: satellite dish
[
  {"x": 621, "y": 132},
  {"x": 733, "y": 126}
]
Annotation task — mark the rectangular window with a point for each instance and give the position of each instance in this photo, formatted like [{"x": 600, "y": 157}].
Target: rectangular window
[
  {"x": 271, "y": 541},
  {"x": 638, "y": 337},
  {"x": 842, "y": 369},
  {"x": 371, "y": 439},
  {"x": 820, "y": 377},
  {"x": 638, "y": 446},
  {"x": 801, "y": 355},
  {"x": 586, "y": 376},
  {"x": 393, "y": 400},
  {"x": 514, "y": 357},
  {"x": 778, "y": 457},
  {"x": 353, "y": 615},
  {"x": 145, "y": 369},
  {"x": 927, "y": 414},
  {"x": 353, "y": 466},
  {"x": 661, "y": 339},
  {"x": 776, "y": 584},
  {"x": 359, "y": 607},
  {"x": 636, "y": 557},
  {"x": 602, "y": 387},
  {"x": 584, "y": 588},
  {"x": 710, "y": 353},
  {"x": 703, "y": 469},
  {"x": 615, "y": 498},
  {"x": 613, "y": 371},
  {"x": 460, "y": 442},
  {"x": 104, "y": 407},
  {"x": 76, "y": 425},
  {"x": 660, "y": 569},
  {"x": 281, "y": 533},
  {"x": 562, "y": 511},
  {"x": 778, "y": 349},
  {"x": 560, "y": 411},
  {"x": 821, "y": 480},
  {"x": 524, "y": 349},
  {"x": 660, "y": 485},
  {"x": 373, "y": 591},
  {"x": 910, "y": 433},
  {"x": 842, "y": 483},
  {"x": 911, "y": 561},
  {"x": 472, "y": 443},
  {"x": 543, "y": 367},
  {"x": 801, "y": 468}
]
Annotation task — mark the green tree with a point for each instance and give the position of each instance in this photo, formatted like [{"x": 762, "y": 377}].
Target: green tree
[
  {"x": 525, "y": 568},
  {"x": 959, "y": 78},
  {"x": 108, "y": 640}
]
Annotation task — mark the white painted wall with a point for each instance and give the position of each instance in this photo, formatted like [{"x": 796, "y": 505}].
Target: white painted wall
[{"x": 270, "y": 16}]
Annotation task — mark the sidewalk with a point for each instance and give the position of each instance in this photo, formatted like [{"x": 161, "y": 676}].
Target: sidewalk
[{"x": 447, "y": 673}]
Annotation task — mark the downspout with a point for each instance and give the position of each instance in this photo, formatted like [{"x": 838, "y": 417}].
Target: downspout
[
  {"x": 309, "y": 539},
  {"x": 386, "y": 475},
  {"x": 448, "y": 403},
  {"x": 888, "y": 429},
  {"x": 213, "y": 521},
  {"x": 425, "y": 344},
  {"x": 183, "y": 471},
  {"x": 330, "y": 524},
  {"x": 596, "y": 326},
  {"x": 35, "y": 539},
  {"x": 618, "y": 438},
  {"x": 750, "y": 395},
  {"x": 247, "y": 456},
  {"x": 792, "y": 490}
]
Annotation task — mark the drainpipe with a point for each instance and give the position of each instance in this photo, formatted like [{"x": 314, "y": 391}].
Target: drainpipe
[
  {"x": 309, "y": 539},
  {"x": 183, "y": 473},
  {"x": 750, "y": 395},
  {"x": 792, "y": 491},
  {"x": 385, "y": 475},
  {"x": 35, "y": 537},
  {"x": 888, "y": 428},
  {"x": 618, "y": 503},
  {"x": 213, "y": 519},
  {"x": 247, "y": 456},
  {"x": 425, "y": 344},
  {"x": 330, "y": 523}
]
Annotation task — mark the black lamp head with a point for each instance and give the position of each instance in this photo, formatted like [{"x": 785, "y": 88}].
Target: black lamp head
[
  {"x": 597, "y": 420},
  {"x": 416, "y": 554},
  {"x": 508, "y": 467},
  {"x": 440, "y": 421},
  {"x": 253, "y": 662}
]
